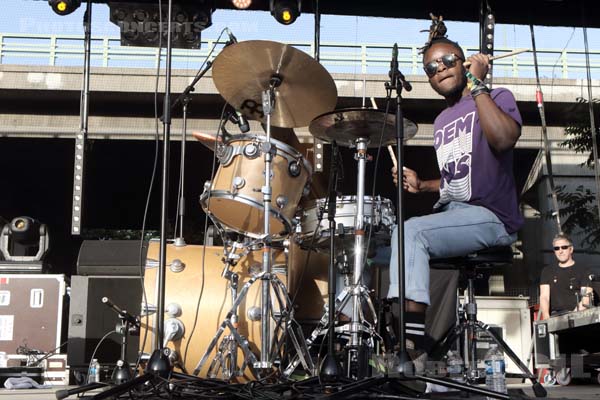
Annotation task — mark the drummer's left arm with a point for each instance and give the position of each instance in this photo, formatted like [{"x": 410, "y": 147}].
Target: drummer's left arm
[{"x": 499, "y": 128}]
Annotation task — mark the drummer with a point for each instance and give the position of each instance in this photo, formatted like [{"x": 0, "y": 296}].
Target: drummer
[{"x": 474, "y": 139}]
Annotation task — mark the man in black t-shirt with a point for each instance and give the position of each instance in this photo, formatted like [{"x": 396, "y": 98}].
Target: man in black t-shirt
[{"x": 560, "y": 284}]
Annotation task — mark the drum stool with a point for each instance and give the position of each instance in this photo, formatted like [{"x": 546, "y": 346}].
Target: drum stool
[{"x": 471, "y": 267}]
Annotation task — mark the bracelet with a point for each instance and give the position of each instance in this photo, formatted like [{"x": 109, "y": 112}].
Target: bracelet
[
  {"x": 479, "y": 89},
  {"x": 473, "y": 79}
]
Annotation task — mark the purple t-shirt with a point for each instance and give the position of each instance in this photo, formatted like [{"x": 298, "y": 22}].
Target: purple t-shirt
[{"x": 471, "y": 172}]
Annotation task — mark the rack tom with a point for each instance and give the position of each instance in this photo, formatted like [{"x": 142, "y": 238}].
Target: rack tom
[{"x": 234, "y": 198}]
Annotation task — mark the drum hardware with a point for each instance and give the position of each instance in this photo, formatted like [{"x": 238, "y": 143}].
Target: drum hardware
[
  {"x": 295, "y": 78},
  {"x": 354, "y": 128},
  {"x": 396, "y": 83},
  {"x": 226, "y": 356},
  {"x": 128, "y": 325}
]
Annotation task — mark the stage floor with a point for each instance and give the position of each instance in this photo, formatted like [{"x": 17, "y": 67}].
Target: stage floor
[{"x": 575, "y": 392}]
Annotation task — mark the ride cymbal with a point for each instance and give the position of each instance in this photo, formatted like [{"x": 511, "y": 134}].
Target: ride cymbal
[{"x": 243, "y": 71}]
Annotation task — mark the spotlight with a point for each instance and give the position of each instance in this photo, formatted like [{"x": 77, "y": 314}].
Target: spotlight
[
  {"x": 24, "y": 239},
  {"x": 64, "y": 7},
  {"x": 241, "y": 4},
  {"x": 140, "y": 25},
  {"x": 285, "y": 11}
]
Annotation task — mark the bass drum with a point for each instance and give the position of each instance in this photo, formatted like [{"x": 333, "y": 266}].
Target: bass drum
[{"x": 197, "y": 300}]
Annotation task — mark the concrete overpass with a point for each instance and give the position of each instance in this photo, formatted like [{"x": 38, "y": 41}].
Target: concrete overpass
[{"x": 43, "y": 101}]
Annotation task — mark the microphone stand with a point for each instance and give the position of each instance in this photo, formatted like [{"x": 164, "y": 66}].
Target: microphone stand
[
  {"x": 397, "y": 83},
  {"x": 159, "y": 363},
  {"x": 185, "y": 98},
  {"x": 128, "y": 324},
  {"x": 330, "y": 367}
]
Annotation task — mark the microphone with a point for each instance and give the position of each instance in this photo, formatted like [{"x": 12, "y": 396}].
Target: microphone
[
  {"x": 232, "y": 38},
  {"x": 122, "y": 313},
  {"x": 238, "y": 118},
  {"x": 395, "y": 71},
  {"x": 394, "y": 62}
]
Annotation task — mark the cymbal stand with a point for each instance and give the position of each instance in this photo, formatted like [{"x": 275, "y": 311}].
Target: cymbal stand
[
  {"x": 282, "y": 313},
  {"x": 358, "y": 324}
]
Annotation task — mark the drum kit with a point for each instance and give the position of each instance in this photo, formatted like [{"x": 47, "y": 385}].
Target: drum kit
[{"x": 254, "y": 197}]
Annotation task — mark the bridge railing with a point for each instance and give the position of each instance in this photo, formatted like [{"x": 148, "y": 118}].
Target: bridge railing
[{"x": 364, "y": 58}]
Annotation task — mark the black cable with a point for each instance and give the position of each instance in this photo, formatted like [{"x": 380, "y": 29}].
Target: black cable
[
  {"x": 150, "y": 188},
  {"x": 198, "y": 72},
  {"x": 212, "y": 174},
  {"x": 540, "y": 104}
]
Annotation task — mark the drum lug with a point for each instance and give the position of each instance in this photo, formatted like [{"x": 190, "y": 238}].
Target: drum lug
[
  {"x": 177, "y": 265},
  {"x": 306, "y": 190},
  {"x": 173, "y": 310},
  {"x": 281, "y": 201},
  {"x": 237, "y": 184},
  {"x": 225, "y": 154},
  {"x": 294, "y": 169},
  {"x": 251, "y": 151}
]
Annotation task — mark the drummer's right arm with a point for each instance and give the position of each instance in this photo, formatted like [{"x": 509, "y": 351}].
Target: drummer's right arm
[{"x": 414, "y": 184}]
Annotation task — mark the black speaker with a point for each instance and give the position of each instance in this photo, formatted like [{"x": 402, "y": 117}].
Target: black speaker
[
  {"x": 90, "y": 319},
  {"x": 111, "y": 257}
]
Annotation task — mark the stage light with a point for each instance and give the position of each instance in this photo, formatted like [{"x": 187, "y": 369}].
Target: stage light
[
  {"x": 64, "y": 7},
  {"x": 285, "y": 11},
  {"x": 140, "y": 26},
  {"x": 241, "y": 4},
  {"x": 24, "y": 239}
]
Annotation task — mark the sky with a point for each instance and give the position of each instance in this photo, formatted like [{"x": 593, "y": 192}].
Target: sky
[{"x": 36, "y": 17}]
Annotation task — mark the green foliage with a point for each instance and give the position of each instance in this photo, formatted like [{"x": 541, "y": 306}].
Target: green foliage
[{"x": 580, "y": 213}]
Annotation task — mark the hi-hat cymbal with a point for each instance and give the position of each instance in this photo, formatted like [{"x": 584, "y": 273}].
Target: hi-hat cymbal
[
  {"x": 347, "y": 125},
  {"x": 243, "y": 71}
]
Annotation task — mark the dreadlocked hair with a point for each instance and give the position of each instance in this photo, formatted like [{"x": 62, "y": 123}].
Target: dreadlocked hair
[
  {"x": 437, "y": 35},
  {"x": 441, "y": 40}
]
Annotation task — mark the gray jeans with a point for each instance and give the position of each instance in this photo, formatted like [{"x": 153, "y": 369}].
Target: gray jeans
[{"x": 458, "y": 229}]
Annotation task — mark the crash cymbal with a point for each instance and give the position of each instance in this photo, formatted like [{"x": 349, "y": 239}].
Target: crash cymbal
[
  {"x": 242, "y": 71},
  {"x": 346, "y": 125}
]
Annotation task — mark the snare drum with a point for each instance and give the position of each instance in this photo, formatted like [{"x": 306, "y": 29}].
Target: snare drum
[
  {"x": 378, "y": 214},
  {"x": 234, "y": 197}
]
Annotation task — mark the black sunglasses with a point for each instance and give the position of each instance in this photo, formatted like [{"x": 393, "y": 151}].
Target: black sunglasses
[
  {"x": 449, "y": 60},
  {"x": 563, "y": 247}
]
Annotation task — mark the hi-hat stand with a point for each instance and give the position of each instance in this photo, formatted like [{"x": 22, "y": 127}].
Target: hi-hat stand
[{"x": 362, "y": 332}]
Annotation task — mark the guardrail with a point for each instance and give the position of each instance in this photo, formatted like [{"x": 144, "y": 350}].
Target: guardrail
[{"x": 67, "y": 50}]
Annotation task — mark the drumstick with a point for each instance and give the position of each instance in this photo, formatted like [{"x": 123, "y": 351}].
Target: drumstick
[
  {"x": 512, "y": 53},
  {"x": 389, "y": 147}
]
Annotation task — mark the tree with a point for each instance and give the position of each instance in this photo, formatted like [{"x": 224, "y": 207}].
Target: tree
[{"x": 580, "y": 212}]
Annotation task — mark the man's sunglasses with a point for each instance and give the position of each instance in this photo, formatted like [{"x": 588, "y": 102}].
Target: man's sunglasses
[
  {"x": 449, "y": 60},
  {"x": 563, "y": 247}
]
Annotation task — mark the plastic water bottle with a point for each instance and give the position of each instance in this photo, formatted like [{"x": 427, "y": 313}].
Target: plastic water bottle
[
  {"x": 455, "y": 366},
  {"x": 495, "y": 375},
  {"x": 94, "y": 372}
]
